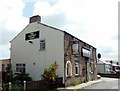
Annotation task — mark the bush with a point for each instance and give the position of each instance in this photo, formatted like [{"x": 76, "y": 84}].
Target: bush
[
  {"x": 22, "y": 77},
  {"x": 17, "y": 87},
  {"x": 49, "y": 76},
  {"x": 75, "y": 83},
  {"x": 113, "y": 72}
]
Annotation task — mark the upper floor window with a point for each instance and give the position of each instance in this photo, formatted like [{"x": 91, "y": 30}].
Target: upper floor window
[{"x": 42, "y": 45}]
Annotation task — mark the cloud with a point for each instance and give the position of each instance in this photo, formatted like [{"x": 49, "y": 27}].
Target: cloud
[
  {"x": 108, "y": 52},
  {"x": 12, "y": 14},
  {"x": 43, "y": 8},
  {"x": 4, "y": 51},
  {"x": 7, "y": 36},
  {"x": 93, "y": 21},
  {"x": 57, "y": 20},
  {"x": 12, "y": 22}
]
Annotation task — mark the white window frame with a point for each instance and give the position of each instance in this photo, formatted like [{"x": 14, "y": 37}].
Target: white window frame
[
  {"x": 20, "y": 67},
  {"x": 68, "y": 69},
  {"x": 42, "y": 42},
  {"x": 77, "y": 65}
]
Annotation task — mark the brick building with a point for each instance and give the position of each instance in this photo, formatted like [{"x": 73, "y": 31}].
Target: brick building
[
  {"x": 4, "y": 63},
  {"x": 80, "y": 61}
]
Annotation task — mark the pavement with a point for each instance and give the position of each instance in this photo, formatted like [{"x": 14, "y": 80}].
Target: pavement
[{"x": 83, "y": 85}]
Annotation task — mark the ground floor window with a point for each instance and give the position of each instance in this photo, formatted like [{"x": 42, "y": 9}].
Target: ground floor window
[
  {"x": 20, "y": 67},
  {"x": 77, "y": 68},
  {"x": 68, "y": 69}
]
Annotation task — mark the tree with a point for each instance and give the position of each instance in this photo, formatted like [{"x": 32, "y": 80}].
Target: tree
[{"x": 9, "y": 70}]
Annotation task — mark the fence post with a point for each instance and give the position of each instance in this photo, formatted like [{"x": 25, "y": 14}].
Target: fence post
[
  {"x": 10, "y": 86},
  {"x": 24, "y": 85}
]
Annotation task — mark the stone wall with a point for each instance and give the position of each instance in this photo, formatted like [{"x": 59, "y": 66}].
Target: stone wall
[{"x": 85, "y": 66}]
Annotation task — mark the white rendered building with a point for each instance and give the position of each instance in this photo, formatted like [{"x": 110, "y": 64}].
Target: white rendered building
[{"x": 39, "y": 45}]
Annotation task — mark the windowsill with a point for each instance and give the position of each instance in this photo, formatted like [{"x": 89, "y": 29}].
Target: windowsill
[
  {"x": 41, "y": 49},
  {"x": 76, "y": 54},
  {"x": 16, "y": 73},
  {"x": 69, "y": 76},
  {"x": 77, "y": 75},
  {"x": 91, "y": 72}
]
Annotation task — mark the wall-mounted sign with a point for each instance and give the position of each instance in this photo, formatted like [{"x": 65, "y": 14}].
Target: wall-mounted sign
[
  {"x": 86, "y": 53},
  {"x": 99, "y": 55},
  {"x": 32, "y": 35}
]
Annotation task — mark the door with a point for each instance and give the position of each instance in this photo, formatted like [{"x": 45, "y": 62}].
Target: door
[{"x": 86, "y": 69}]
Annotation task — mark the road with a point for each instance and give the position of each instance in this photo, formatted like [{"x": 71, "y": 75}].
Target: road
[
  {"x": 104, "y": 84},
  {"x": 107, "y": 83}
]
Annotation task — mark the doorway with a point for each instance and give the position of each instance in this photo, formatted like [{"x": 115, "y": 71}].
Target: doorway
[{"x": 86, "y": 69}]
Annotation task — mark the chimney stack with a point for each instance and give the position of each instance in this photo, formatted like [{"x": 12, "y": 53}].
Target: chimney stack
[{"x": 35, "y": 18}]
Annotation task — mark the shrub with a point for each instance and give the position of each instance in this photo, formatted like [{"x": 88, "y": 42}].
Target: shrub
[
  {"x": 49, "y": 76},
  {"x": 75, "y": 83},
  {"x": 17, "y": 87},
  {"x": 113, "y": 72},
  {"x": 22, "y": 77}
]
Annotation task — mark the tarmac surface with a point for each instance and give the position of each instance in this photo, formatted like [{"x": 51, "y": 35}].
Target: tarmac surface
[{"x": 90, "y": 83}]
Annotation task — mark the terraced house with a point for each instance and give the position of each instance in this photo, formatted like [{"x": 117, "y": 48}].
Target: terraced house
[{"x": 38, "y": 45}]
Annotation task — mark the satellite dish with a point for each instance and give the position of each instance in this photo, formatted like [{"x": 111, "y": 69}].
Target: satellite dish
[{"x": 99, "y": 55}]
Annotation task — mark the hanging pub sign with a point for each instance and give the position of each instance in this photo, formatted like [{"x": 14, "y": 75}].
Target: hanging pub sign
[
  {"x": 32, "y": 35},
  {"x": 85, "y": 52},
  {"x": 75, "y": 46}
]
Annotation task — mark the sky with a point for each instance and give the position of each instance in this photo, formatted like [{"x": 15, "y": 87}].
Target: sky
[{"x": 93, "y": 21}]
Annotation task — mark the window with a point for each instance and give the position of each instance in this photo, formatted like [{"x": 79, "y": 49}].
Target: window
[
  {"x": 68, "y": 69},
  {"x": 91, "y": 67},
  {"x": 42, "y": 45},
  {"x": 20, "y": 67},
  {"x": 77, "y": 68}
]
